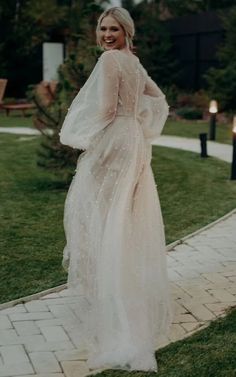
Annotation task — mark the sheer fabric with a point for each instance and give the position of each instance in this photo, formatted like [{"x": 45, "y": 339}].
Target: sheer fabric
[{"x": 115, "y": 251}]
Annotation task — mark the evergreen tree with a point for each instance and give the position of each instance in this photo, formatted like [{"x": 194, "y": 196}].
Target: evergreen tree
[
  {"x": 82, "y": 54},
  {"x": 174, "y": 8},
  {"x": 153, "y": 44},
  {"x": 222, "y": 80}
]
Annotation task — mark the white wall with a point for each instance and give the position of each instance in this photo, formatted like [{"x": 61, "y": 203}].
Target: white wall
[{"x": 53, "y": 56}]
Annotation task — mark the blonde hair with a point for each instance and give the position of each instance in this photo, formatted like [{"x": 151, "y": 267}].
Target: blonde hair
[{"x": 122, "y": 16}]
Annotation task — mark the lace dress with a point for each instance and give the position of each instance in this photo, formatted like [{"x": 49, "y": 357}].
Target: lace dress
[{"x": 115, "y": 251}]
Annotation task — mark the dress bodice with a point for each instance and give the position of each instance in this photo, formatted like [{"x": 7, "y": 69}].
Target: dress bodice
[{"x": 118, "y": 85}]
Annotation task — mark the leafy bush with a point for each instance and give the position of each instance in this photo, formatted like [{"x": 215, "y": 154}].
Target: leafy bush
[
  {"x": 199, "y": 100},
  {"x": 171, "y": 93},
  {"x": 189, "y": 113}
]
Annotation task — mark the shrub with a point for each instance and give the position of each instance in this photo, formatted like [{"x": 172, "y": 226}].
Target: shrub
[{"x": 189, "y": 113}]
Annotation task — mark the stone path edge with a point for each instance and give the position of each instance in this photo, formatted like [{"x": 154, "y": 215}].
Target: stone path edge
[
  {"x": 59, "y": 288},
  {"x": 208, "y": 226}
]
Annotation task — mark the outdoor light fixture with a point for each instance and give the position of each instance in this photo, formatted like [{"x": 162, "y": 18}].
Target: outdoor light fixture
[
  {"x": 203, "y": 143},
  {"x": 233, "y": 171},
  {"x": 213, "y": 109}
]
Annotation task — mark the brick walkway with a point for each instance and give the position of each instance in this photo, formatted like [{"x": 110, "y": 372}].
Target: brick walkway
[{"x": 38, "y": 338}]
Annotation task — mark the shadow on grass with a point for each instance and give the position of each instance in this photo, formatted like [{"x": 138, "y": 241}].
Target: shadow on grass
[{"x": 41, "y": 184}]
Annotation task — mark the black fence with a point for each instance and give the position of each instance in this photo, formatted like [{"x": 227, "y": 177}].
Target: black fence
[{"x": 196, "y": 39}]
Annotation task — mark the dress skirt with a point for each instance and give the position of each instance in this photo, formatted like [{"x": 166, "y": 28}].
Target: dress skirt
[{"x": 115, "y": 250}]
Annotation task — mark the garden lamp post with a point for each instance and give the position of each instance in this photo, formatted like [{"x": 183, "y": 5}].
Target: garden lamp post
[
  {"x": 213, "y": 109},
  {"x": 233, "y": 170}
]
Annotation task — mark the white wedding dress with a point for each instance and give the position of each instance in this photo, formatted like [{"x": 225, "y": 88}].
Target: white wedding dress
[{"x": 115, "y": 250}]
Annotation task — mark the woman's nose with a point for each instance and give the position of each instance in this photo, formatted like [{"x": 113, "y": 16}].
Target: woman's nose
[{"x": 107, "y": 33}]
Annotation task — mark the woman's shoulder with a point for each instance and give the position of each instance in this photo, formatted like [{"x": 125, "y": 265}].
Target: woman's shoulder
[
  {"x": 118, "y": 54},
  {"x": 111, "y": 56}
]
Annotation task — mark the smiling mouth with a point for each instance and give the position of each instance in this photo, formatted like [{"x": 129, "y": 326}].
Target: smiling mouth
[{"x": 109, "y": 42}]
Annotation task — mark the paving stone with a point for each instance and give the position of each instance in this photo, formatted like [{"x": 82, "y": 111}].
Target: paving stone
[
  {"x": 50, "y": 295},
  {"x": 178, "y": 308},
  {"x": 162, "y": 342},
  {"x": 13, "y": 370},
  {"x": 232, "y": 290},
  {"x": 78, "y": 369},
  {"x": 183, "y": 318},
  {"x": 229, "y": 274},
  {"x": 68, "y": 293},
  {"x": 218, "y": 308},
  {"x": 177, "y": 332},
  {"x": 75, "y": 368},
  {"x": 199, "y": 311},
  {"x": 44, "y": 362},
  {"x": 71, "y": 355},
  {"x": 76, "y": 338},
  {"x": 201, "y": 281},
  {"x": 217, "y": 278},
  {"x": 62, "y": 311},
  {"x": 49, "y": 346},
  {"x": 208, "y": 267},
  {"x": 8, "y": 337},
  {"x": 191, "y": 326},
  {"x": 5, "y": 322},
  {"x": 14, "y": 309},
  {"x": 232, "y": 279},
  {"x": 200, "y": 294},
  {"x": 36, "y": 306},
  {"x": 49, "y": 322},
  {"x": 185, "y": 248},
  {"x": 222, "y": 295},
  {"x": 173, "y": 275},
  {"x": 188, "y": 273},
  {"x": 30, "y": 316},
  {"x": 61, "y": 300},
  {"x": 171, "y": 262},
  {"x": 26, "y": 328},
  {"x": 15, "y": 361},
  {"x": 14, "y": 354},
  {"x": 54, "y": 334},
  {"x": 176, "y": 289},
  {"x": 35, "y": 338}
]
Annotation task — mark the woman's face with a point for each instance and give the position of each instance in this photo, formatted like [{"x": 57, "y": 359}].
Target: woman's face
[{"x": 111, "y": 34}]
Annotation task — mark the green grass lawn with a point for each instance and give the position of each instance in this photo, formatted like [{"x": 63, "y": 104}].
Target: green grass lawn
[
  {"x": 31, "y": 232},
  {"x": 208, "y": 353},
  {"x": 14, "y": 120},
  {"x": 192, "y": 129},
  {"x": 193, "y": 192}
]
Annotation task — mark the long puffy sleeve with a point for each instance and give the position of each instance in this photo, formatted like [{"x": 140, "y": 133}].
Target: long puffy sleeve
[
  {"x": 154, "y": 109},
  {"x": 94, "y": 107}
]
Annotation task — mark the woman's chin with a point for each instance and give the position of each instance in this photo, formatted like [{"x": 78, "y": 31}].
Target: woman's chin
[{"x": 107, "y": 47}]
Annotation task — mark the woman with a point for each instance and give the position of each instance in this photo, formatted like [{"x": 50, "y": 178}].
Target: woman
[{"x": 115, "y": 249}]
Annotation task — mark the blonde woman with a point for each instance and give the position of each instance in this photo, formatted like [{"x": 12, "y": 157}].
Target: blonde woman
[{"x": 115, "y": 250}]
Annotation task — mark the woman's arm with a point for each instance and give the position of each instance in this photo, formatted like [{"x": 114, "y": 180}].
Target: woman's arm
[
  {"x": 108, "y": 86},
  {"x": 94, "y": 107}
]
